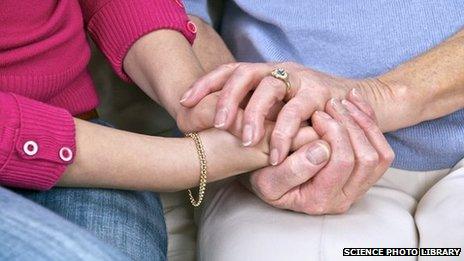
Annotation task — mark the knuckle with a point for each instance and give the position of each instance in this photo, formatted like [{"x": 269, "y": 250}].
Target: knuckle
[
  {"x": 345, "y": 162},
  {"x": 369, "y": 159},
  {"x": 388, "y": 156},
  {"x": 228, "y": 66},
  {"x": 243, "y": 69},
  {"x": 343, "y": 207}
]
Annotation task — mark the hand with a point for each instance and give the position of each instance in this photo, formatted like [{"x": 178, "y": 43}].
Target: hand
[
  {"x": 309, "y": 182},
  {"x": 310, "y": 92},
  {"x": 201, "y": 116},
  {"x": 198, "y": 118}
]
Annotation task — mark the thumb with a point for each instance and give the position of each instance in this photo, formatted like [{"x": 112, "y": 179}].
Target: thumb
[{"x": 272, "y": 182}]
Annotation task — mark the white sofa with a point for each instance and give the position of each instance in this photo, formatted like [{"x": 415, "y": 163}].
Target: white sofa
[{"x": 128, "y": 108}]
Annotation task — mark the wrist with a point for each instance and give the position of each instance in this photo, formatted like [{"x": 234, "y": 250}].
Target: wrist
[
  {"x": 395, "y": 102},
  {"x": 227, "y": 157}
]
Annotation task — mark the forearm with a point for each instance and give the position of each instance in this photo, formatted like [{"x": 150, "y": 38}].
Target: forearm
[
  {"x": 209, "y": 47},
  {"x": 110, "y": 158},
  {"x": 163, "y": 65},
  {"x": 427, "y": 87}
]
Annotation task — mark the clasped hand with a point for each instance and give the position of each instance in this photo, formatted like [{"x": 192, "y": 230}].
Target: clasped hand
[{"x": 321, "y": 170}]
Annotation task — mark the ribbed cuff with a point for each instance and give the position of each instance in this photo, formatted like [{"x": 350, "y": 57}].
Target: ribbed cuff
[
  {"x": 47, "y": 130},
  {"x": 119, "y": 23}
]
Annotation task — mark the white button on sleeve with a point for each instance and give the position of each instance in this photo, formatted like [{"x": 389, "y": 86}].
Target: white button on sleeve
[
  {"x": 66, "y": 154},
  {"x": 30, "y": 148}
]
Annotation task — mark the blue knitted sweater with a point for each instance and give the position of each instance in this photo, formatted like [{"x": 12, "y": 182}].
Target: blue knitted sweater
[{"x": 350, "y": 38}]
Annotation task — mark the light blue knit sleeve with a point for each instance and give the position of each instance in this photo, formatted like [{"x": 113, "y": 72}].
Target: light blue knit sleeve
[{"x": 198, "y": 8}]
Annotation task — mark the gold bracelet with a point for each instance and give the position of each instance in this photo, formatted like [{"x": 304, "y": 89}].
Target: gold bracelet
[{"x": 203, "y": 170}]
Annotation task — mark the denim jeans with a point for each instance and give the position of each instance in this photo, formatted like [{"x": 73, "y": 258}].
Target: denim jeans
[{"x": 81, "y": 224}]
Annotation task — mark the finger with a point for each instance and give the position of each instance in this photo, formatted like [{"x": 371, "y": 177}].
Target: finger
[
  {"x": 374, "y": 134},
  {"x": 333, "y": 177},
  {"x": 297, "y": 110},
  {"x": 355, "y": 96},
  {"x": 269, "y": 92},
  {"x": 244, "y": 79},
  {"x": 366, "y": 157},
  {"x": 209, "y": 83},
  {"x": 272, "y": 182},
  {"x": 274, "y": 111},
  {"x": 304, "y": 136}
]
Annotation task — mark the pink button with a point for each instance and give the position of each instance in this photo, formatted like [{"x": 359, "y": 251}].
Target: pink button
[
  {"x": 179, "y": 3},
  {"x": 191, "y": 27}
]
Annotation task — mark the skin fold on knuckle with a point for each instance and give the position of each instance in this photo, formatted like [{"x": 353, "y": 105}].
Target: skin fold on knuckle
[
  {"x": 244, "y": 71},
  {"x": 228, "y": 66},
  {"x": 345, "y": 162},
  {"x": 388, "y": 156},
  {"x": 342, "y": 208},
  {"x": 368, "y": 159}
]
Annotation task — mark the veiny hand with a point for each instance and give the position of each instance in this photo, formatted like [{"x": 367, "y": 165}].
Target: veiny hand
[
  {"x": 310, "y": 92},
  {"x": 314, "y": 181}
]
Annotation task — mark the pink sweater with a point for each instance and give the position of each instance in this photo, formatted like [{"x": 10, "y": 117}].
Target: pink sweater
[{"x": 43, "y": 76}]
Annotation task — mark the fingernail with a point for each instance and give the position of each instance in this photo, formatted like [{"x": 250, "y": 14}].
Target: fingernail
[
  {"x": 220, "y": 119},
  {"x": 186, "y": 96},
  {"x": 274, "y": 157},
  {"x": 338, "y": 106},
  {"x": 317, "y": 154},
  {"x": 356, "y": 93},
  {"x": 323, "y": 114},
  {"x": 247, "y": 135}
]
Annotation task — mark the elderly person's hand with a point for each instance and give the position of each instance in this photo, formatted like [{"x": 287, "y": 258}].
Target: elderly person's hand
[
  {"x": 309, "y": 91},
  {"x": 309, "y": 182}
]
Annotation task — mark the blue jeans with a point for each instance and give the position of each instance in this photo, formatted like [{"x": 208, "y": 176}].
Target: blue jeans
[{"x": 81, "y": 224}]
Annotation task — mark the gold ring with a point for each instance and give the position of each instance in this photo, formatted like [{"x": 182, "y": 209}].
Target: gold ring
[{"x": 282, "y": 75}]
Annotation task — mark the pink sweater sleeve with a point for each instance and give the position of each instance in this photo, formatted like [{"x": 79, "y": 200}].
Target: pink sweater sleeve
[
  {"x": 116, "y": 24},
  {"x": 36, "y": 142}
]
